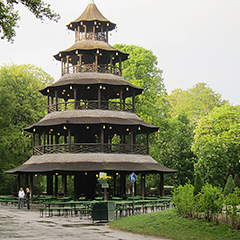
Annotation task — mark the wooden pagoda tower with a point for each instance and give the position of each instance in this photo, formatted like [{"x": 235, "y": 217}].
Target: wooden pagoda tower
[{"x": 91, "y": 125}]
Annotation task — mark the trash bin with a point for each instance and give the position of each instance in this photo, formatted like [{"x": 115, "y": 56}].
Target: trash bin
[{"x": 103, "y": 211}]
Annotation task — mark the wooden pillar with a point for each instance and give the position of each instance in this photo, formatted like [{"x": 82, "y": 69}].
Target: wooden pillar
[
  {"x": 34, "y": 140},
  {"x": 132, "y": 147},
  {"x": 67, "y": 63},
  {"x": 162, "y": 184},
  {"x": 102, "y": 139},
  {"x": 147, "y": 142},
  {"x": 44, "y": 142},
  {"x": 99, "y": 98},
  {"x": 120, "y": 66},
  {"x": 114, "y": 185},
  {"x": 69, "y": 140},
  {"x": 56, "y": 100},
  {"x": 142, "y": 185},
  {"x": 49, "y": 184},
  {"x": 62, "y": 67},
  {"x": 85, "y": 31},
  {"x": 94, "y": 31},
  {"x": 56, "y": 185},
  {"x": 121, "y": 99},
  {"x": 133, "y": 101},
  {"x": 64, "y": 184},
  {"x": 31, "y": 185},
  {"x": 75, "y": 98},
  {"x": 48, "y": 103},
  {"x": 107, "y": 34},
  {"x": 96, "y": 62},
  {"x": 77, "y": 185},
  {"x": 123, "y": 185},
  {"x": 18, "y": 182}
]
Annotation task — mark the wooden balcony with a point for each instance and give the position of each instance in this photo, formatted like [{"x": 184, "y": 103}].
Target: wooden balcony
[
  {"x": 91, "y": 148},
  {"x": 90, "y": 104}
]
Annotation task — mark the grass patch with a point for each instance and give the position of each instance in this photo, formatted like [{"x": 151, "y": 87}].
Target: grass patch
[{"x": 167, "y": 225}]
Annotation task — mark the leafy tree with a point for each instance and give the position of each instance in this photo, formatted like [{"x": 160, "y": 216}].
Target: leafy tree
[
  {"x": 21, "y": 106},
  {"x": 195, "y": 102},
  {"x": 230, "y": 185},
  {"x": 141, "y": 70},
  {"x": 237, "y": 180},
  {"x": 173, "y": 149},
  {"x": 9, "y": 17},
  {"x": 216, "y": 144},
  {"x": 198, "y": 183}
]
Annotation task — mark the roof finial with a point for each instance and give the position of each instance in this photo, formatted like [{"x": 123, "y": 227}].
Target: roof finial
[{"x": 91, "y": 2}]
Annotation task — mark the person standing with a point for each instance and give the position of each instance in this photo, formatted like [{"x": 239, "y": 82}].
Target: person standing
[
  {"x": 28, "y": 198},
  {"x": 21, "y": 195}
]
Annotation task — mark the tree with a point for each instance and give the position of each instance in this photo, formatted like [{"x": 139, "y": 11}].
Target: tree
[
  {"x": 21, "y": 106},
  {"x": 195, "y": 102},
  {"x": 9, "y": 17},
  {"x": 198, "y": 183},
  {"x": 173, "y": 149},
  {"x": 141, "y": 70},
  {"x": 237, "y": 180},
  {"x": 217, "y": 144},
  {"x": 229, "y": 187}
]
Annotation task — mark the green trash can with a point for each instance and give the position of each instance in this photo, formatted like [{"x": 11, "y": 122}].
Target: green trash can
[{"x": 103, "y": 211}]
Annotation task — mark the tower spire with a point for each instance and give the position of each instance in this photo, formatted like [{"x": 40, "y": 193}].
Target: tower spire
[{"x": 91, "y": 2}]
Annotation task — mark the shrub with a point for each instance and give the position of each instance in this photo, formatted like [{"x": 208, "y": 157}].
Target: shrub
[
  {"x": 211, "y": 202},
  {"x": 229, "y": 185},
  {"x": 237, "y": 181},
  {"x": 232, "y": 201},
  {"x": 183, "y": 198},
  {"x": 198, "y": 183}
]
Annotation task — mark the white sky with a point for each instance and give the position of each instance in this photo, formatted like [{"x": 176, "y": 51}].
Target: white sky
[{"x": 194, "y": 40}]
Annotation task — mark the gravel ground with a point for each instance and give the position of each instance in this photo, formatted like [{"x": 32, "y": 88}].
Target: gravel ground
[{"x": 27, "y": 224}]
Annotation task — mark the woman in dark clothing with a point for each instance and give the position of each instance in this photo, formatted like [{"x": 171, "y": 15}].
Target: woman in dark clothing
[{"x": 28, "y": 198}]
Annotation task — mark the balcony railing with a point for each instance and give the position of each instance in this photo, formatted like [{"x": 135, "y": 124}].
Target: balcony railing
[
  {"x": 102, "y": 68},
  {"x": 91, "y": 148},
  {"x": 90, "y": 36},
  {"x": 92, "y": 104}
]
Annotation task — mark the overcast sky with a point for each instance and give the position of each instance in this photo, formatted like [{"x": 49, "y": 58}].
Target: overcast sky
[{"x": 194, "y": 40}]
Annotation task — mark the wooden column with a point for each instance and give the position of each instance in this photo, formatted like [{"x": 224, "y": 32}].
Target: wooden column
[
  {"x": 94, "y": 31},
  {"x": 31, "y": 185},
  {"x": 62, "y": 67},
  {"x": 49, "y": 184},
  {"x": 69, "y": 140},
  {"x": 44, "y": 142},
  {"x": 107, "y": 34},
  {"x": 131, "y": 140},
  {"x": 67, "y": 63},
  {"x": 96, "y": 63},
  {"x": 147, "y": 142},
  {"x": 123, "y": 185},
  {"x": 56, "y": 100},
  {"x": 34, "y": 140},
  {"x": 64, "y": 184},
  {"x": 48, "y": 103},
  {"x": 56, "y": 185},
  {"x": 162, "y": 184},
  {"x": 102, "y": 140},
  {"x": 39, "y": 140},
  {"x": 142, "y": 185},
  {"x": 120, "y": 66},
  {"x": 18, "y": 182},
  {"x": 99, "y": 98},
  {"x": 121, "y": 99},
  {"x": 75, "y": 98}
]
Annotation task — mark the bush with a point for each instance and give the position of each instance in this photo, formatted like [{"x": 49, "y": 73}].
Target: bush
[
  {"x": 232, "y": 201},
  {"x": 237, "y": 181},
  {"x": 229, "y": 185},
  {"x": 198, "y": 183},
  {"x": 183, "y": 198},
  {"x": 211, "y": 202}
]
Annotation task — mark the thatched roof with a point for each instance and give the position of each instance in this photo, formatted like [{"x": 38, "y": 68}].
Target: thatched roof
[
  {"x": 72, "y": 117},
  {"x": 90, "y": 14},
  {"x": 91, "y": 78},
  {"x": 89, "y": 45},
  {"x": 84, "y": 162}
]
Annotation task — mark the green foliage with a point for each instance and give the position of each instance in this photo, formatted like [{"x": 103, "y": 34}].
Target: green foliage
[
  {"x": 216, "y": 144},
  {"x": 21, "y": 106},
  {"x": 236, "y": 180},
  {"x": 195, "y": 102},
  {"x": 230, "y": 185},
  {"x": 211, "y": 202},
  {"x": 9, "y": 17},
  {"x": 173, "y": 148},
  {"x": 165, "y": 224},
  {"x": 198, "y": 183},
  {"x": 141, "y": 70},
  {"x": 231, "y": 202},
  {"x": 183, "y": 198}
]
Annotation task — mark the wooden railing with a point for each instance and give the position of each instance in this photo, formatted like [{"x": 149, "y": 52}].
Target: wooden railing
[
  {"x": 90, "y": 104},
  {"x": 90, "y": 148},
  {"x": 102, "y": 68}
]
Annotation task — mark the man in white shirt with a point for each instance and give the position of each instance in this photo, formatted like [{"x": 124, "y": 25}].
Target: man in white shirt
[{"x": 21, "y": 195}]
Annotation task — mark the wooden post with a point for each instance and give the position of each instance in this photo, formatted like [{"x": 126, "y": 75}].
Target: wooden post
[
  {"x": 147, "y": 142},
  {"x": 67, "y": 63},
  {"x": 31, "y": 185},
  {"x": 131, "y": 140},
  {"x": 75, "y": 98},
  {"x": 120, "y": 66},
  {"x": 56, "y": 99},
  {"x": 102, "y": 140},
  {"x": 69, "y": 140},
  {"x": 56, "y": 185},
  {"x": 49, "y": 184},
  {"x": 44, "y": 142},
  {"x": 162, "y": 185},
  {"x": 64, "y": 184},
  {"x": 62, "y": 67},
  {"x": 48, "y": 102},
  {"x": 133, "y": 101},
  {"x": 99, "y": 98},
  {"x": 94, "y": 32},
  {"x": 107, "y": 34},
  {"x": 121, "y": 99},
  {"x": 96, "y": 62},
  {"x": 142, "y": 185}
]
